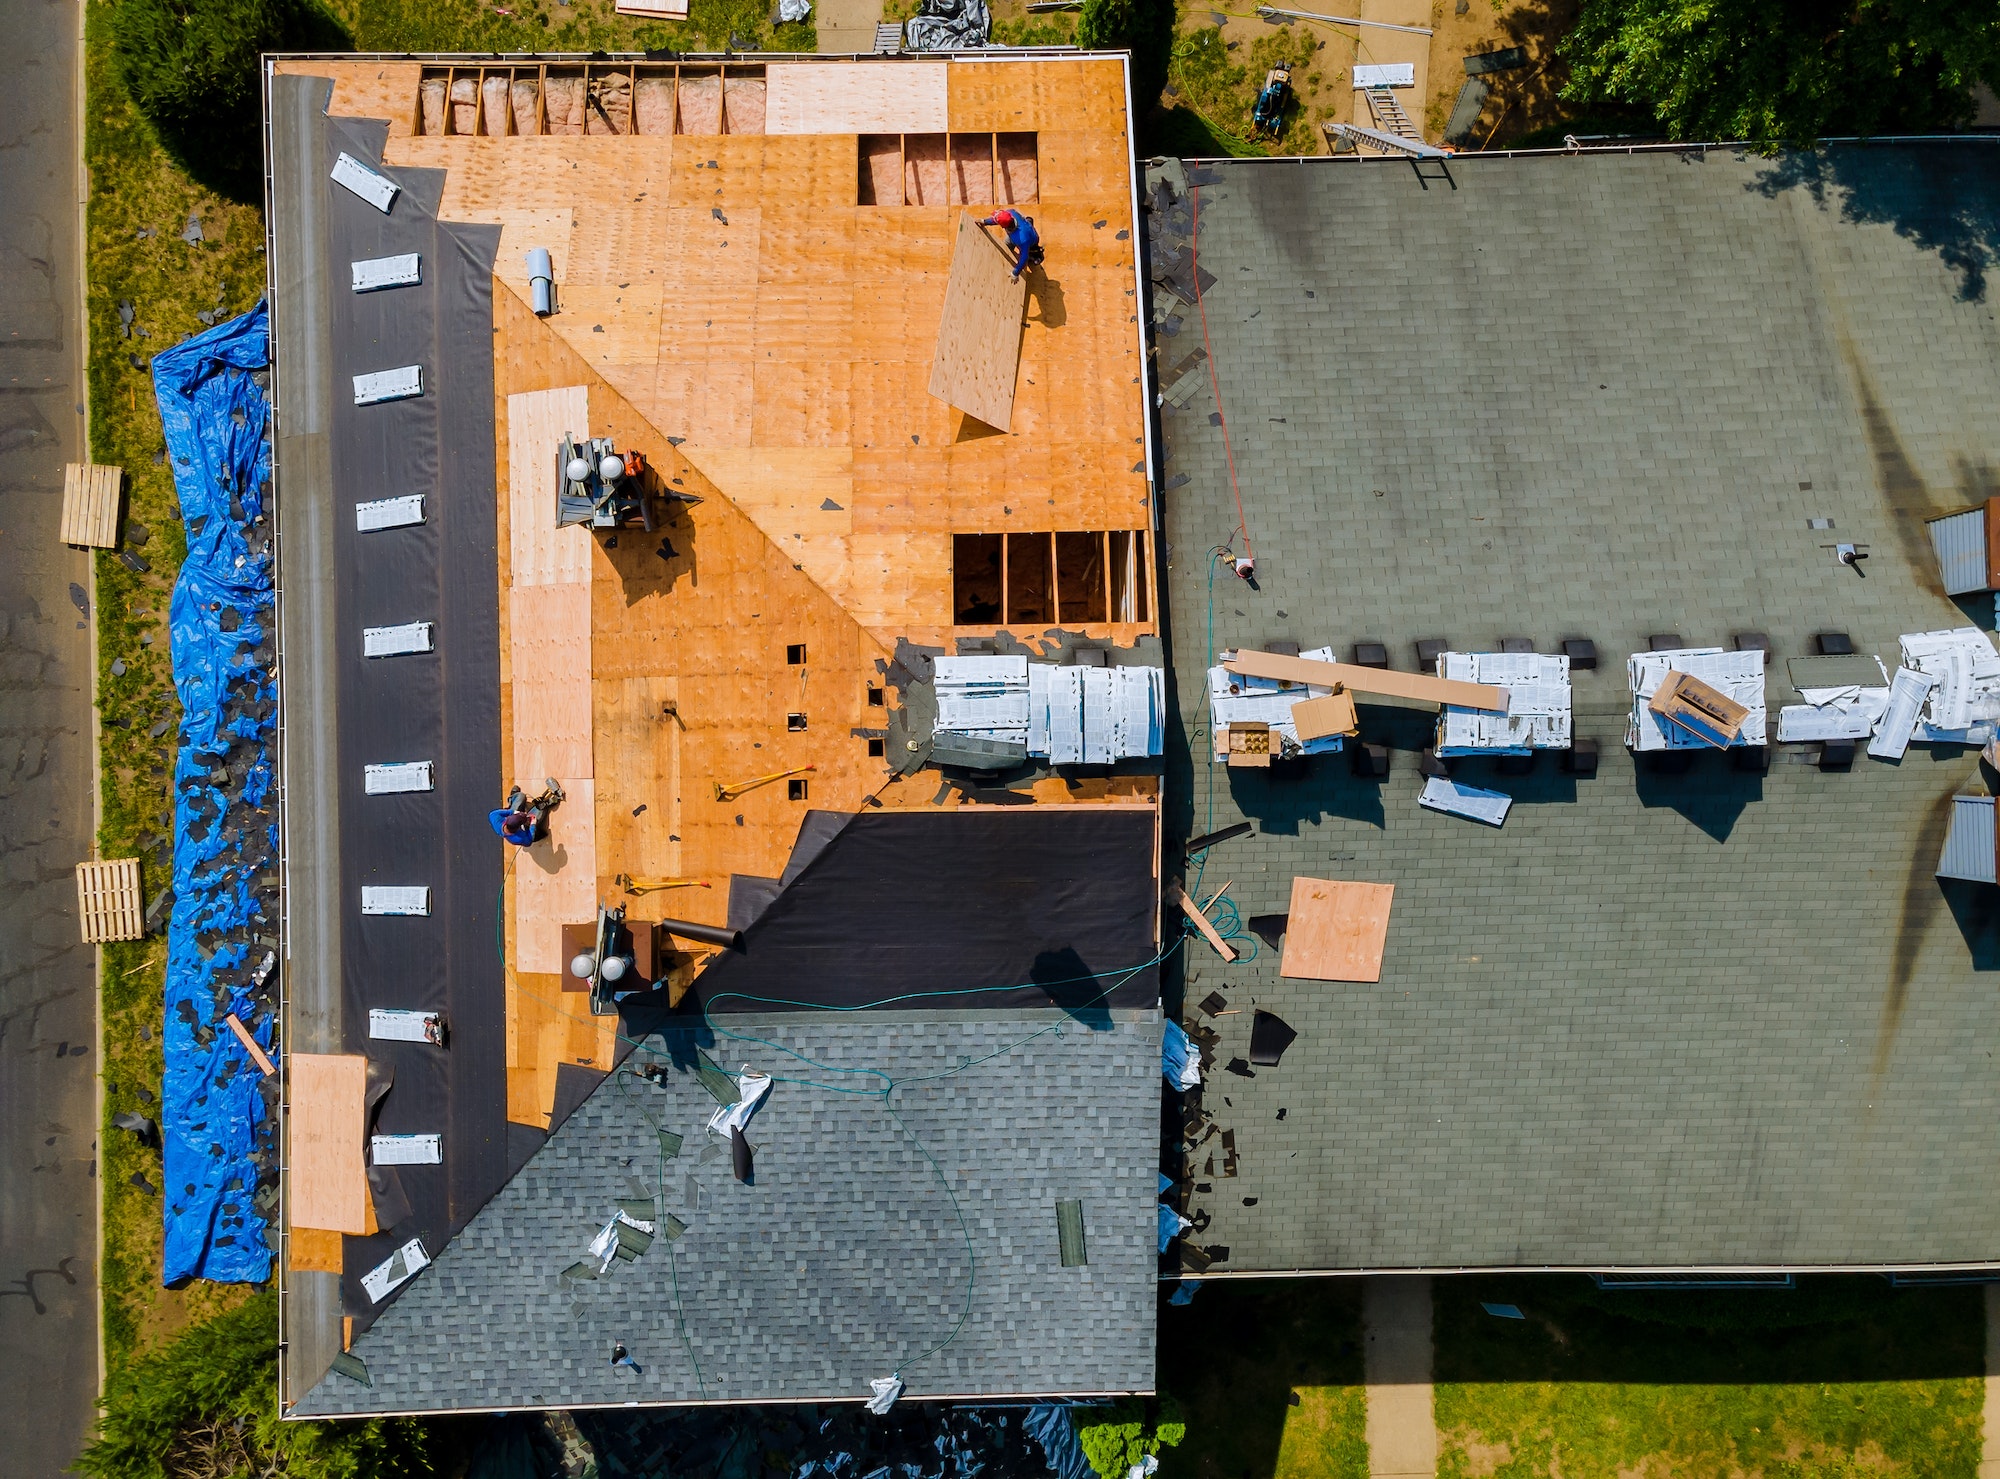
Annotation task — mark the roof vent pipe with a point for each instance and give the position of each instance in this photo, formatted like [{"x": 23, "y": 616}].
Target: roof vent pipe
[
  {"x": 708, "y": 934},
  {"x": 542, "y": 280}
]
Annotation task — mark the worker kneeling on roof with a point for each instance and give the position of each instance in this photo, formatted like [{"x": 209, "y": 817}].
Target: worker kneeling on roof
[{"x": 1021, "y": 236}]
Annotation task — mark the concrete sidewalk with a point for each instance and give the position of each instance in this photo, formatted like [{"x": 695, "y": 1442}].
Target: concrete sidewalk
[
  {"x": 48, "y": 1047},
  {"x": 1396, "y": 1325}
]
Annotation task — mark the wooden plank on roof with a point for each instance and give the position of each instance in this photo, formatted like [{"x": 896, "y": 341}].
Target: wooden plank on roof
[
  {"x": 979, "y": 333},
  {"x": 107, "y": 900},
  {"x": 90, "y": 505},
  {"x": 325, "y": 1166},
  {"x": 1384, "y": 681},
  {"x": 1336, "y": 931}
]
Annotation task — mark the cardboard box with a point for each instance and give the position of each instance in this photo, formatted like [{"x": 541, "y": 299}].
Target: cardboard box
[
  {"x": 1711, "y": 716},
  {"x": 1250, "y": 745},
  {"x": 1321, "y": 718}
]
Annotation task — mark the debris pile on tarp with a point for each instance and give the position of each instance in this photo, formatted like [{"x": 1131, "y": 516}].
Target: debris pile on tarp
[
  {"x": 220, "y": 1143},
  {"x": 948, "y": 25}
]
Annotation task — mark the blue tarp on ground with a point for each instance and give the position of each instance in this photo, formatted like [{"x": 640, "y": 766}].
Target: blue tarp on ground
[{"x": 216, "y": 1121}]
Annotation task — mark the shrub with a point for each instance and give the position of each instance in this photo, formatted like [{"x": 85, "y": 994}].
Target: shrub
[
  {"x": 207, "y": 1404},
  {"x": 191, "y": 67},
  {"x": 1129, "y": 1433}
]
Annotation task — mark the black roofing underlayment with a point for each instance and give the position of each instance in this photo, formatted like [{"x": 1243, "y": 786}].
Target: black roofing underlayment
[
  {"x": 441, "y": 706},
  {"x": 1016, "y": 907}
]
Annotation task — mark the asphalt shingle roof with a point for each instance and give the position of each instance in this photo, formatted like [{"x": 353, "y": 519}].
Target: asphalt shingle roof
[
  {"x": 1715, "y": 1019},
  {"x": 844, "y": 1260}
]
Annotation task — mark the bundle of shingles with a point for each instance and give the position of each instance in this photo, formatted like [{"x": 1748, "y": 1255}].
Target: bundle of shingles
[{"x": 1065, "y": 715}]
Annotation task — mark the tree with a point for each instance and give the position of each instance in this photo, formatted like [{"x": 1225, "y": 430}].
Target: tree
[
  {"x": 207, "y": 1404},
  {"x": 191, "y": 67},
  {"x": 1786, "y": 72},
  {"x": 1125, "y": 1434},
  {"x": 1143, "y": 27}
]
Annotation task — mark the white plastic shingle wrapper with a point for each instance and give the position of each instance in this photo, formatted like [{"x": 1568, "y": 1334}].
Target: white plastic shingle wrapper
[
  {"x": 985, "y": 696},
  {"x": 1538, "y": 713},
  {"x": 1832, "y": 714},
  {"x": 396, "y": 1270},
  {"x": 406, "y": 1150},
  {"x": 1237, "y": 698},
  {"x": 1906, "y": 700},
  {"x": 1967, "y": 696},
  {"x": 1737, "y": 675},
  {"x": 352, "y": 175}
]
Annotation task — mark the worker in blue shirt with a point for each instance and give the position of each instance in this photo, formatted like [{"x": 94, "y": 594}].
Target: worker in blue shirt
[{"x": 1021, "y": 236}]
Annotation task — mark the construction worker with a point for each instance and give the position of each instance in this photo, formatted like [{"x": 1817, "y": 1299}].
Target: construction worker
[
  {"x": 521, "y": 821},
  {"x": 1021, "y": 236}
]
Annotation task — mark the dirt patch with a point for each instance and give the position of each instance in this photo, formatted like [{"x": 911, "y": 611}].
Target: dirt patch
[{"x": 1518, "y": 100}]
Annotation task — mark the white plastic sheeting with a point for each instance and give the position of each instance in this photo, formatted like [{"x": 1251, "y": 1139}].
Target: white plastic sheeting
[
  {"x": 1443, "y": 794},
  {"x": 753, "y": 1089},
  {"x": 1965, "y": 703},
  {"x": 1538, "y": 713},
  {"x": 1737, "y": 675}
]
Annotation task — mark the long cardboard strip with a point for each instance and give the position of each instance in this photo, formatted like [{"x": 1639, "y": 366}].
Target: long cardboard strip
[{"x": 1369, "y": 680}]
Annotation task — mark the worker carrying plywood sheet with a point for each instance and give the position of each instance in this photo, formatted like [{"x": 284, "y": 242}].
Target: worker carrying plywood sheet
[{"x": 1021, "y": 236}]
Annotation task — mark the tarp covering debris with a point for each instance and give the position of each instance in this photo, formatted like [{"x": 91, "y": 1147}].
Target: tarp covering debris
[
  {"x": 948, "y": 25},
  {"x": 220, "y": 1150}
]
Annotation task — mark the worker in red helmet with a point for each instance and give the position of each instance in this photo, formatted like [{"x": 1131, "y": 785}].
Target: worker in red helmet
[{"x": 1021, "y": 236}]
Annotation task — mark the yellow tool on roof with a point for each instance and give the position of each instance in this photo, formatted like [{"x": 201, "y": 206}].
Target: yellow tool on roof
[
  {"x": 642, "y": 885},
  {"x": 730, "y": 793}
]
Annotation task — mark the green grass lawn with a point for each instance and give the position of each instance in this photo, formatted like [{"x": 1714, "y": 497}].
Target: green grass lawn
[
  {"x": 1883, "y": 1382},
  {"x": 1269, "y": 1377}
]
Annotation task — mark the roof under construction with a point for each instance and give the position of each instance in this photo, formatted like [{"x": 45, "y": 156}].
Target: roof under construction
[
  {"x": 1673, "y": 1015},
  {"x": 763, "y": 283}
]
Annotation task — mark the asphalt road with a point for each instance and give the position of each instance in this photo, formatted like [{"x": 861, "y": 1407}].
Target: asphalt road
[{"x": 48, "y": 1048}]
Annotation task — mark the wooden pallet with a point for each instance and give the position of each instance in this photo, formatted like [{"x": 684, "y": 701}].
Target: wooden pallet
[
  {"x": 107, "y": 900},
  {"x": 90, "y": 505}
]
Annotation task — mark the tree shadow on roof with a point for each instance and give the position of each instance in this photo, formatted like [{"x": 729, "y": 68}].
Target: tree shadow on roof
[
  {"x": 1708, "y": 793},
  {"x": 1941, "y": 198}
]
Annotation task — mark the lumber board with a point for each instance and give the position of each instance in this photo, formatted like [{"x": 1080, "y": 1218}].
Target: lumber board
[
  {"x": 1336, "y": 931},
  {"x": 1200, "y": 921},
  {"x": 107, "y": 900},
  {"x": 979, "y": 329},
  {"x": 90, "y": 505},
  {"x": 1389, "y": 684},
  {"x": 857, "y": 97},
  {"x": 539, "y": 552},
  {"x": 326, "y": 1122}
]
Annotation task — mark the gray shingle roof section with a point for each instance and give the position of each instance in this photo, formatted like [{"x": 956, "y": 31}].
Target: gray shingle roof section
[
  {"x": 1718, "y": 1019},
  {"x": 844, "y": 1260}
]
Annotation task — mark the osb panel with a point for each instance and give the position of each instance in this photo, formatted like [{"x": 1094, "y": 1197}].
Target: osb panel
[
  {"x": 857, "y": 98},
  {"x": 539, "y": 553},
  {"x": 326, "y": 1095},
  {"x": 611, "y": 325},
  {"x": 1336, "y": 931},
  {"x": 979, "y": 329},
  {"x": 367, "y": 89},
  {"x": 555, "y": 881},
  {"x": 549, "y": 641},
  {"x": 1014, "y": 95},
  {"x": 313, "y": 1250},
  {"x": 1078, "y": 167}
]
